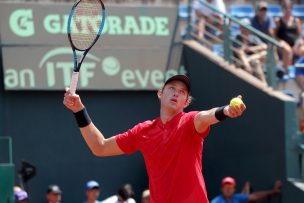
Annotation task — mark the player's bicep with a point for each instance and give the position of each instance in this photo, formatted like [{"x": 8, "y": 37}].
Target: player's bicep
[
  {"x": 110, "y": 148},
  {"x": 199, "y": 124},
  {"x": 204, "y": 119}
]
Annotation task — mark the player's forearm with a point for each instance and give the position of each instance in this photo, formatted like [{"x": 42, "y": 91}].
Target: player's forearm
[
  {"x": 256, "y": 196},
  {"x": 94, "y": 139},
  {"x": 208, "y": 117}
]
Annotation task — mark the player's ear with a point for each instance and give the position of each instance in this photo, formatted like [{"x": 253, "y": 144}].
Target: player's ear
[
  {"x": 188, "y": 101},
  {"x": 159, "y": 93}
]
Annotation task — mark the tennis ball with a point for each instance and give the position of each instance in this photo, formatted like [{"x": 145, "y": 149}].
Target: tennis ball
[{"x": 236, "y": 102}]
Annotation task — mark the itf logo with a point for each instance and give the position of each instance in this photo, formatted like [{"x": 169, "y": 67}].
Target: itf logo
[
  {"x": 21, "y": 22},
  {"x": 110, "y": 66}
]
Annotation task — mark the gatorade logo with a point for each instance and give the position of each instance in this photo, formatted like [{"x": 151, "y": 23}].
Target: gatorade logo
[{"x": 21, "y": 22}]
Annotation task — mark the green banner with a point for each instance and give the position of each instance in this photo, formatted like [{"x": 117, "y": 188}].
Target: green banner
[
  {"x": 132, "y": 53},
  {"x": 50, "y": 68},
  {"x": 46, "y": 24}
]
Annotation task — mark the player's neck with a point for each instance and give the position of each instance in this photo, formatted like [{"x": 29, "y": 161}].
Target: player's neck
[{"x": 167, "y": 115}]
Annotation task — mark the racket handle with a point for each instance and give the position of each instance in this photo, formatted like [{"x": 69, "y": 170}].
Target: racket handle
[{"x": 74, "y": 82}]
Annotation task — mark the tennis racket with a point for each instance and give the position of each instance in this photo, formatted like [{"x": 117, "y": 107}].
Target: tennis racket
[{"x": 85, "y": 24}]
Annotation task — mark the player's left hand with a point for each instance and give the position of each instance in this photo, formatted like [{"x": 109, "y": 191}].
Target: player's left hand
[{"x": 236, "y": 110}]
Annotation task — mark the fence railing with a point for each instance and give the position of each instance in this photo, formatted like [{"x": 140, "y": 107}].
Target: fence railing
[{"x": 219, "y": 35}]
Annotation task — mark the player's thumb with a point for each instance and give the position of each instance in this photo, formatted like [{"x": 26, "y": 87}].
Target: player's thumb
[
  {"x": 239, "y": 96},
  {"x": 67, "y": 90}
]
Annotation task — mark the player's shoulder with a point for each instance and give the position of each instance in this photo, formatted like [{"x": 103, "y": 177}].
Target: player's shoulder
[
  {"x": 145, "y": 124},
  {"x": 189, "y": 115}
]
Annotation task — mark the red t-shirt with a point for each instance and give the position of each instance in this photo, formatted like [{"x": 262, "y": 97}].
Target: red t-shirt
[{"x": 173, "y": 157}]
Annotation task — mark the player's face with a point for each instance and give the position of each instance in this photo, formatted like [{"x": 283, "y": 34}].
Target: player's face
[
  {"x": 228, "y": 190},
  {"x": 93, "y": 194},
  {"x": 174, "y": 96},
  {"x": 53, "y": 197}
]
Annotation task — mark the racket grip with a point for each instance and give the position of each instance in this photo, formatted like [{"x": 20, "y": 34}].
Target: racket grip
[{"x": 74, "y": 82}]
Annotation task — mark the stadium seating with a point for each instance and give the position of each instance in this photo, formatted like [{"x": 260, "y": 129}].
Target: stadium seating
[
  {"x": 274, "y": 10},
  {"x": 241, "y": 10},
  {"x": 298, "y": 11},
  {"x": 183, "y": 11}
]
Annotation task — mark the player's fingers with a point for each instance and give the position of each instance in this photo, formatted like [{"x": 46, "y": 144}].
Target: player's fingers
[
  {"x": 231, "y": 113},
  {"x": 239, "y": 96},
  {"x": 237, "y": 111},
  {"x": 69, "y": 99},
  {"x": 243, "y": 107},
  {"x": 233, "y": 110},
  {"x": 237, "y": 108},
  {"x": 67, "y": 104},
  {"x": 67, "y": 91}
]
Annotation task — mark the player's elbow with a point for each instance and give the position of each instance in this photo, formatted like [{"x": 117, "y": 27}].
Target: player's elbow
[{"x": 98, "y": 150}]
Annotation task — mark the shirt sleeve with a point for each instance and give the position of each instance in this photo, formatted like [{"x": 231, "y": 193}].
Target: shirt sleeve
[
  {"x": 191, "y": 116},
  {"x": 128, "y": 141},
  {"x": 242, "y": 198}
]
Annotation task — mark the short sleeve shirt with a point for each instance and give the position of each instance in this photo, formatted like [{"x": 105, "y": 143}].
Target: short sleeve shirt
[
  {"x": 237, "y": 198},
  {"x": 173, "y": 157},
  {"x": 204, "y": 10},
  {"x": 263, "y": 27},
  {"x": 253, "y": 40}
]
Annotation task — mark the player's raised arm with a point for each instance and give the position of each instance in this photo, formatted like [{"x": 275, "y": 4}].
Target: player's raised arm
[
  {"x": 99, "y": 145},
  {"x": 204, "y": 119}
]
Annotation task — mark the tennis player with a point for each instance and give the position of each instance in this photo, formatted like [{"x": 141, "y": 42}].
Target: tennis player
[{"x": 171, "y": 144}]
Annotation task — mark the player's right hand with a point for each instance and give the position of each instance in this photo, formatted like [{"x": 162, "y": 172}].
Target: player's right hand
[{"x": 72, "y": 102}]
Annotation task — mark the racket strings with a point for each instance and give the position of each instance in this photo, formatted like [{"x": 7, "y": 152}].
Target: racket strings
[{"x": 86, "y": 22}]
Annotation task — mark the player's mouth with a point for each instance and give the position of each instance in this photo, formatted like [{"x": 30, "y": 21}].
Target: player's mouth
[{"x": 173, "y": 100}]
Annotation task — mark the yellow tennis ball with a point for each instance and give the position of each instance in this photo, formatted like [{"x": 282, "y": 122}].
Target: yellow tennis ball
[{"x": 236, "y": 102}]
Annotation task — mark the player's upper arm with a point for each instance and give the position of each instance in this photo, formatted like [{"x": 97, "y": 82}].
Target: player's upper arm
[
  {"x": 99, "y": 145},
  {"x": 110, "y": 148},
  {"x": 204, "y": 119}
]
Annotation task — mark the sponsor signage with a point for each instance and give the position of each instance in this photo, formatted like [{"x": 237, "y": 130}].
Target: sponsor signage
[
  {"x": 44, "y": 68},
  {"x": 132, "y": 53},
  {"x": 46, "y": 24}
]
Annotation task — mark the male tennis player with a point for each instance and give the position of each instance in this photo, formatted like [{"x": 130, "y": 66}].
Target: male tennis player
[{"x": 171, "y": 144}]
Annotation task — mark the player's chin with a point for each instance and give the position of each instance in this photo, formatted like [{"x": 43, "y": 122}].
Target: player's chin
[{"x": 175, "y": 107}]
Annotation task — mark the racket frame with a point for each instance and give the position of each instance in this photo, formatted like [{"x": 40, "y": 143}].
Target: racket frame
[{"x": 78, "y": 62}]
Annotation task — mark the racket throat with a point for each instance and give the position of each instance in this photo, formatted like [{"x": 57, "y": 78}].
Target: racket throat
[{"x": 80, "y": 62}]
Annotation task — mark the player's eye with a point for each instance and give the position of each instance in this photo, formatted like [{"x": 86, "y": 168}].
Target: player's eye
[
  {"x": 172, "y": 89},
  {"x": 182, "y": 92}
]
